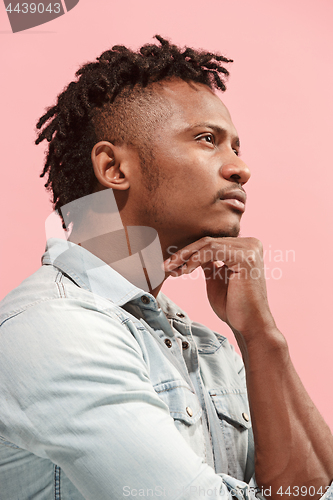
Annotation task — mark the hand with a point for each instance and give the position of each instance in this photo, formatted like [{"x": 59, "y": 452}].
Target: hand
[{"x": 236, "y": 289}]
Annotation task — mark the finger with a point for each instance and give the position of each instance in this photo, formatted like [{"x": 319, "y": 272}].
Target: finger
[
  {"x": 178, "y": 258},
  {"x": 206, "y": 254},
  {"x": 178, "y": 271},
  {"x": 193, "y": 258},
  {"x": 231, "y": 251}
]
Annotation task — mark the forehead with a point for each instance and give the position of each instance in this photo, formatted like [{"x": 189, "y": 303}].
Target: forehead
[{"x": 192, "y": 103}]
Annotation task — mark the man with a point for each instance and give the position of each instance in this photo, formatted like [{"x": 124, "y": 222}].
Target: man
[{"x": 108, "y": 389}]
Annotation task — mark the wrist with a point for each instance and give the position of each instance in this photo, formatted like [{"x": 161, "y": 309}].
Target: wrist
[{"x": 262, "y": 343}]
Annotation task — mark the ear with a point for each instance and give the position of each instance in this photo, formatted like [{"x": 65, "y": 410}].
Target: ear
[{"x": 110, "y": 165}]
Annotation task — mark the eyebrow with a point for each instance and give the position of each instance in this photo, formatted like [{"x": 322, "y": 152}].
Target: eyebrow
[{"x": 215, "y": 128}]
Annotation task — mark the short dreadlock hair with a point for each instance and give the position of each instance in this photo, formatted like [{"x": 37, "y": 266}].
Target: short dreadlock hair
[{"x": 102, "y": 104}]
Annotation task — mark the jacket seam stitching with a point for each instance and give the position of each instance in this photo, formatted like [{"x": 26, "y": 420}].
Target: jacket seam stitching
[{"x": 57, "y": 494}]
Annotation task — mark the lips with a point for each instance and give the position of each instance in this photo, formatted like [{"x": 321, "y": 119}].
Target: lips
[{"x": 235, "y": 199}]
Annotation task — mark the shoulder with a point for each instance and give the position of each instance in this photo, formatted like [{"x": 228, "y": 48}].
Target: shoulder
[
  {"x": 49, "y": 319},
  {"x": 51, "y": 290}
]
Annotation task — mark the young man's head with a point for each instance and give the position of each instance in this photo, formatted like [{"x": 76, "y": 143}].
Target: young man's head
[{"x": 148, "y": 125}]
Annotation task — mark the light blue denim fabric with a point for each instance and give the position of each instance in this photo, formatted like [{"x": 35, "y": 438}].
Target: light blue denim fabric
[{"x": 95, "y": 405}]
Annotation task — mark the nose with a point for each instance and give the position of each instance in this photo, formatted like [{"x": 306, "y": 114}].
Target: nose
[{"x": 236, "y": 170}]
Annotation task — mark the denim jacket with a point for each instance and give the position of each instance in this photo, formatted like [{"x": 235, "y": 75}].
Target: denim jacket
[{"x": 108, "y": 393}]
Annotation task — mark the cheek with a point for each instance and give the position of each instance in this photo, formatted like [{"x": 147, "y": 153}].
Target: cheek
[{"x": 188, "y": 172}]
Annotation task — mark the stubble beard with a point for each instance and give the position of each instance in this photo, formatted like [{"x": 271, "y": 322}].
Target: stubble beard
[{"x": 230, "y": 233}]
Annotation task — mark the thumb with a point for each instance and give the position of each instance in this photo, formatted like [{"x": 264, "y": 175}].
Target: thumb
[
  {"x": 208, "y": 269},
  {"x": 215, "y": 271},
  {"x": 216, "y": 277}
]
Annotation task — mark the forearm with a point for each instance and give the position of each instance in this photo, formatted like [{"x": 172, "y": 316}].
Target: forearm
[{"x": 294, "y": 446}]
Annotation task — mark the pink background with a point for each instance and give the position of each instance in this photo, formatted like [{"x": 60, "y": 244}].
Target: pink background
[{"x": 280, "y": 97}]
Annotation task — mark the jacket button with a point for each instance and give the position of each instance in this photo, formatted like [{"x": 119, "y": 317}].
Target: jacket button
[
  {"x": 246, "y": 417},
  {"x": 185, "y": 345},
  {"x": 145, "y": 299},
  {"x": 180, "y": 315},
  {"x": 189, "y": 411},
  {"x": 168, "y": 342}
]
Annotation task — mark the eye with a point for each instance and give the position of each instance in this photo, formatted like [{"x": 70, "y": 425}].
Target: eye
[
  {"x": 209, "y": 138},
  {"x": 236, "y": 152}
]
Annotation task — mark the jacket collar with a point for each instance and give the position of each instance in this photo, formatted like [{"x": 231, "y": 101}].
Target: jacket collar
[{"x": 92, "y": 274}]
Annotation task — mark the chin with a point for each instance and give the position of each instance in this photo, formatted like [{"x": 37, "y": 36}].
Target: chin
[
  {"x": 231, "y": 232},
  {"x": 227, "y": 232}
]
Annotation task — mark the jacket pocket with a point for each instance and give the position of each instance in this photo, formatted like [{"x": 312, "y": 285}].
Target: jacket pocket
[
  {"x": 186, "y": 411},
  {"x": 232, "y": 408},
  {"x": 234, "y": 415},
  {"x": 183, "y": 404}
]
